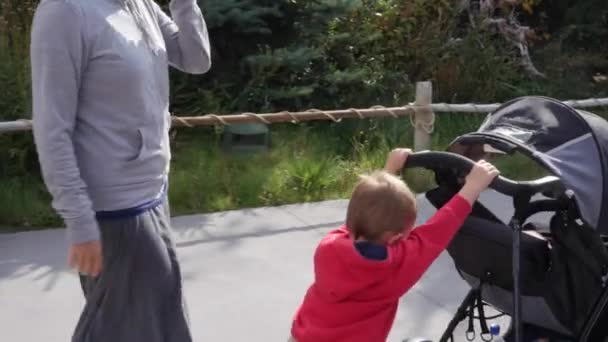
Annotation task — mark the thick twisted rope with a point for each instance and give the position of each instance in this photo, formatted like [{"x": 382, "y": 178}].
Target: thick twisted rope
[{"x": 333, "y": 115}]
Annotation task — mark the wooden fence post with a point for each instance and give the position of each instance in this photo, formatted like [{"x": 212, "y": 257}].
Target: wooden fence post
[{"x": 423, "y": 117}]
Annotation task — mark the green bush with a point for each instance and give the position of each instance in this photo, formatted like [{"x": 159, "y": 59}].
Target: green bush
[{"x": 271, "y": 55}]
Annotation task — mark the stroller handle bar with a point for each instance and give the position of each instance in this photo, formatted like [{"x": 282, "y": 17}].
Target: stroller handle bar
[{"x": 447, "y": 160}]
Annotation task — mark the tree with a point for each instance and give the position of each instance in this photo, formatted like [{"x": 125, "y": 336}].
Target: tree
[{"x": 264, "y": 52}]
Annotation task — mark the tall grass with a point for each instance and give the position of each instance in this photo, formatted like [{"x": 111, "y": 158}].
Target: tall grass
[{"x": 305, "y": 163}]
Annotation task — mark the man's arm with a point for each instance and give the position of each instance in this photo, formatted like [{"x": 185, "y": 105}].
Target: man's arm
[
  {"x": 57, "y": 60},
  {"x": 185, "y": 36}
]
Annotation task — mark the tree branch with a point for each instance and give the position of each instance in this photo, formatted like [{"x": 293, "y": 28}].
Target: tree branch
[
  {"x": 518, "y": 36},
  {"x": 508, "y": 27}
]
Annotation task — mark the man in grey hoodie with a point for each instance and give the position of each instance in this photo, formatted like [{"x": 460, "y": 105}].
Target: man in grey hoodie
[{"x": 101, "y": 120}]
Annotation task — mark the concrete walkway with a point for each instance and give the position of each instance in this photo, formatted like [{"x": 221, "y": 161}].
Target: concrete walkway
[{"x": 245, "y": 273}]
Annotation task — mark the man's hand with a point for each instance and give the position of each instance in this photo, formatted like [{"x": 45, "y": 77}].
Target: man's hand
[
  {"x": 396, "y": 159},
  {"x": 86, "y": 258}
]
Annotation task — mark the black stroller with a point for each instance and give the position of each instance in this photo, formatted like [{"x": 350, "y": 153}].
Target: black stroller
[{"x": 552, "y": 276}]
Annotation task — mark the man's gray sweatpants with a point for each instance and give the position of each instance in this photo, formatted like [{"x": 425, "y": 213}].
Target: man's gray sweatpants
[{"x": 138, "y": 297}]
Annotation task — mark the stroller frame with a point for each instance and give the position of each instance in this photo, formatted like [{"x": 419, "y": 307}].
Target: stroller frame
[
  {"x": 468, "y": 304},
  {"x": 521, "y": 202},
  {"x": 573, "y": 145}
]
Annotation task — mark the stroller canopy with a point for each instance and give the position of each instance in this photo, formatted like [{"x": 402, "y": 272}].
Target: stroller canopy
[{"x": 572, "y": 144}]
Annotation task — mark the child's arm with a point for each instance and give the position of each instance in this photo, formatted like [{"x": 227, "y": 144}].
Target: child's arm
[
  {"x": 424, "y": 244},
  {"x": 417, "y": 251}
]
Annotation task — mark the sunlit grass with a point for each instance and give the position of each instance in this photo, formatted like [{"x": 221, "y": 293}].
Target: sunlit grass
[{"x": 304, "y": 163}]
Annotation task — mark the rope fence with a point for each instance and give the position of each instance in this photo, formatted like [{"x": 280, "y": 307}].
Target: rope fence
[
  {"x": 421, "y": 114},
  {"x": 316, "y": 114}
]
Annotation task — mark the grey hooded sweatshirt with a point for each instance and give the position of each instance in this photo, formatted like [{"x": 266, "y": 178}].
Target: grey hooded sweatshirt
[{"x": 101, "y": 99}]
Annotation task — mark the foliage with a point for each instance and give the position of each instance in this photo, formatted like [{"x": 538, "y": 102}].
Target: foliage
[
  {"x": 271, "y": 55},
  {"x": 266, "y": 56},
  {"x": 17, "y": 154}
]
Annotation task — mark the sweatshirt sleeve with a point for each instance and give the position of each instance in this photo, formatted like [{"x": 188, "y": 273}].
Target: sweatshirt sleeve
[
  {"x": 424, "y": 244},
  {"x": 185, "y": 36},
  {"x": 57, "y": 60}
]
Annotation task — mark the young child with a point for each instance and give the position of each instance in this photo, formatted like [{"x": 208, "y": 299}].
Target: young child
[{"x": 364, "y": 267}]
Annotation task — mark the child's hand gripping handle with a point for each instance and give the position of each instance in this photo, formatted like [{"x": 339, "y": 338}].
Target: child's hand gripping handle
[{"x": 447, "y": 160}]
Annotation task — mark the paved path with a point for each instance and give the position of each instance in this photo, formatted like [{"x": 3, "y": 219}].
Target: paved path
[{"x": 245, "y": 273}]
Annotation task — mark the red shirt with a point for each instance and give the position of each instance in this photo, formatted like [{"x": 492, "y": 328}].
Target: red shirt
[{"x": 355, "y": 299}]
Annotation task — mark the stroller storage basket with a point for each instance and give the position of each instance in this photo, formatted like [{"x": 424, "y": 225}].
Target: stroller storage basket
[
  {"x": 482, "y": 252},
  {"x": 485, "y": 250}
]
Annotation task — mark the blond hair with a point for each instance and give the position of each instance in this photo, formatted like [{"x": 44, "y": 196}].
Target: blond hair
[{"x": 380, "y": 203}]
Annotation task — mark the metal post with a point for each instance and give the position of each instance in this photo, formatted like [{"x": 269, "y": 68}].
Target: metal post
[
  {"x": 517, "y": 319},
  {"x": 521, "y": 203}
]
